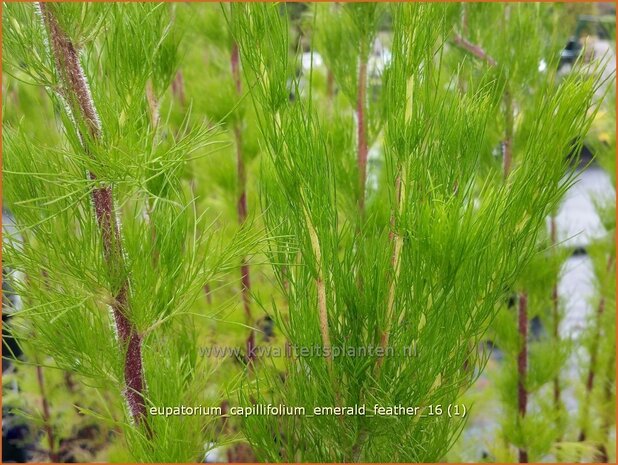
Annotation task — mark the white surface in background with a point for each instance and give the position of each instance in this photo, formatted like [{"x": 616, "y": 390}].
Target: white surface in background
[
  {"x": 215, "y": 454},
  {"x": 306, "y": 60},
  {"x": 578, "y": 224},
  {"x": 577, "y": 220},
  {"x": 576, "y": 288}
]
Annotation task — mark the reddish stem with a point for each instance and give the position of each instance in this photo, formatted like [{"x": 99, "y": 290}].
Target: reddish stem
[
  {"x": 474, "y": 49},
  {"x": 556, "y": 313},
  {"x": 555, "y": 298},
  {"x": 608, "y": 393},
  {"x": 53, "y": 455},
  {"x": 208, "y": 293},
  {"x": 522, "y": 364},
  {"x": 362, "y": 148},
  {"x": 76, "y": 93},
  {"x": 242, "y": 184},
  {"x": 235, "y": 63},
  {"x": 330, "y": 86},
  {"x": 592, "y": 368},
  {"x": 507, "y": 145}
]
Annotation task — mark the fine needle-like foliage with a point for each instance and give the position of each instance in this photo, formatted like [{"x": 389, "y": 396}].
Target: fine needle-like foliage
[
  {"x": 421, "y": 274},
  {"x": 403, "y": 163},
  {"x": 344, "y": 35},
  {"x": 108, "y": 247},
  {"x": 531, "y": 365},
  {"x": 597, "y": 400}
]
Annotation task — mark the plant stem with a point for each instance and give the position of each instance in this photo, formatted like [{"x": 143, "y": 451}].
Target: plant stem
[
  {"x": 242, "y": 184},
  {"x": 178, "y": 87},
  {"x": 608, "y": 393},
  {"x": 522, "y": 309},
  {"x": 362, "y": 149},
  {"x": 592, "y": 368},
  {"x": 357, "y": 447},
  {"x": 321, "y": 290},
  {"x": 555, "y": 298},
  {"x": 397, "y": 241},
  {"x": 208, "y": 293},
  {"x": 474, "y": 49},
  {"x": 522, "y": 364},
  {"x": 330, "y": 86},
  {"x": 76, "y": 93},
  {"x": 53, "y": 455},
  {"x": 153, "y": 105},
  {"x": 522, "y": 317}
]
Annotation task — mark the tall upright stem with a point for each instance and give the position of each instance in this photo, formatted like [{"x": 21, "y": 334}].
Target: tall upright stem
[
  {"x": 592, "y": 368},
  {"x": 49, "y": 431},
  {"x": 76, "y": 93},
  {"x": 397, "y": 241},
  {"x": 522, "y": 308},
  {"x": 555, "y": 298},
  {"x": 522, "y": 364},
  {"x": 242, "y": 184},
  {"x": 608, "y": 394},
  {"x": 321, "y": 291},
  {"x": 362, "y": 149}
]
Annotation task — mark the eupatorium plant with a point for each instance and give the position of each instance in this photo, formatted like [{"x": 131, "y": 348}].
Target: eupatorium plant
[
  {"x": 597, "y": 399},
  {"x": 429, "y": 261},
  {"x": 532, "y": 363},
  {"x": 106, "y": 239},
  {"x": 402, "y": 161}
]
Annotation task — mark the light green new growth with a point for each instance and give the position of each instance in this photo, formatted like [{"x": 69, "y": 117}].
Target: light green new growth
[
  {"x": 530, "y": 378},
  {"x": 597, "y": 399},
  {"x": 161, "y": 259},
  {"x": 429, "y": 261}
]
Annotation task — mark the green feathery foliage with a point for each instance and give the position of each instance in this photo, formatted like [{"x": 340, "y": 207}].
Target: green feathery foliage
[
  {"x": 108, "y": 280},
  {"x": 530, "y": 388},
  {"x": 597, "y": 399},
  {"x": 434, "y": 267},
  {"x": 403, "y": 162},
  {"x": 344, "y": 35}
]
